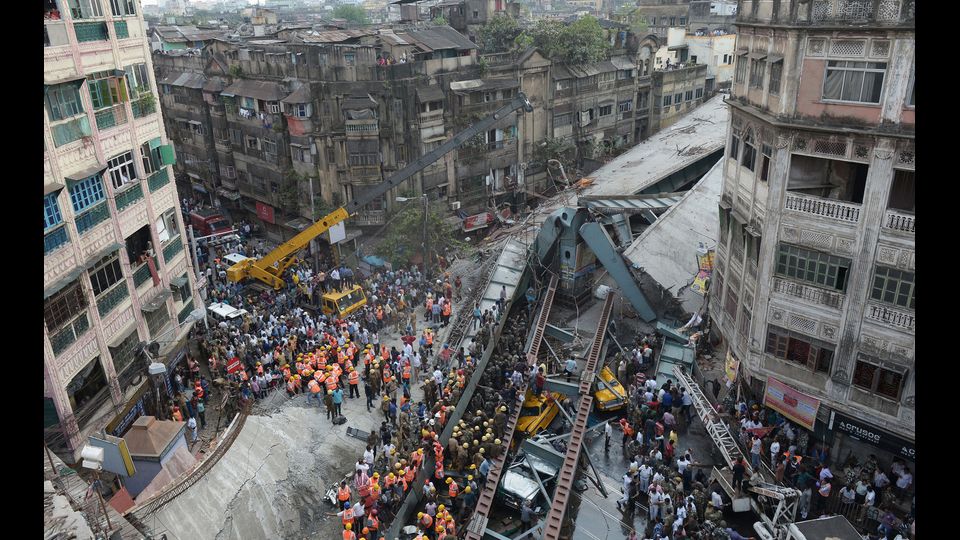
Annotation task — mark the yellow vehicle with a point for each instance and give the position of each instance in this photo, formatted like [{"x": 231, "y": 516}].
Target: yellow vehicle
[
  {"x": 610, "y": 394},
  {"x": 344, "y": 302},
  {"x": 537, "y": 413}
]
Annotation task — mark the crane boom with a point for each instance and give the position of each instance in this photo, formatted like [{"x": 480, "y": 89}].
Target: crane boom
[{"x": 270, "y": 267}]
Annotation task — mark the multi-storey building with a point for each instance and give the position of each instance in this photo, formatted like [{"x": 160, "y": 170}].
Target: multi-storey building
[
  {"x": 815, "y": 280},
  {"x": 469, "y": 16},
  {"x": 677, "y": 90},
  {"x": 115, "y": 269},
  {"x": 301, "y": 121}
]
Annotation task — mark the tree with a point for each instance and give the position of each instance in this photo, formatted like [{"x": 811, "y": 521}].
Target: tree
[
  {"x": 404, "y": 238},
  {"x": 581, "y": 42},
  {"x": 354, "y": 14},
  {"x": 439, "y": 20},
  {"x": 498, "y": 34},
  {"x": 561, "y": 150}
]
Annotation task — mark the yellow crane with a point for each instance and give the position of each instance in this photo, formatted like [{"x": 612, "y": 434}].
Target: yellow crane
[{"x": 270, "y": 268}]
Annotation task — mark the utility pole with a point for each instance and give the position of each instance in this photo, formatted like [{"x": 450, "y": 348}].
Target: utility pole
[{"x": 426, "y": 237}]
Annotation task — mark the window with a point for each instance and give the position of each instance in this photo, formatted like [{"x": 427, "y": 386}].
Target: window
[
  {"x": 300, "y": 110},
  {"x": 878, "y": 380},
  {"x": 606, "y": 110},
  {"x": 667, "y": 100},
  {"x": 744, "y": 327},
  {"x": 749, "y": 153},
  {"x": 123, "y": 354},
  {"x": 688, "y": 96},
  {"x": 608, "y": 76},
  {"x": 730, "y": 303},
  {"x": 643, "y": 100},
  {"x": 349, "y": 58},
  {"x": 138, "y": 80},
  {"x": 63, "y": 306},
  {"x": 363, "y": 160},
  {"x": 228, "y": 171},
  {"x": 106, "y": 89},
  {"x": 197, "y": 128},
  {"x": 860, "y": 82},
  {"x": 51, "y": 211},
  {"x": 299, "y": 153},
  {"x": 157, "y": 319},
  {"x": 673, "y": 21},
  {"x": 624, "y": 106},
  {"x": 894, "y": 286},
  {"x": 757, "y": 70},
  {"x": 678, "y": 98},
  {"x": 269, "y": 146},
  {"x": 765, "y": 154},
  {"x": 63, "y": 100},
  {"x": 903, "y": 191},
  {"x": 813, "y": 267},
  {"x": 792, "y": 347},
  {"x": 236, "y": 137},
  {"x": 331, "y": 156},
  {"x": 166, "y": 226},
  {"x": 727, "y": 59},
  {"x": 86, "y": 193},
  {"x": 776, "y": 73},
  {"x": 911, "y": 93},
  {"x": 683, "y": 21},
  {"x": 150, "y": 156},
  {"x": 85, "y": 9},
  {"x": 741, "y": 73},
  {"x": 253, "y": 143},
  {"x": 121, "y": 170},
  {"x": 105, "y": 273},
  {"x": 734, "y": 145},
  {"x": 273, "y": 107},
  {"x": 698, "y": 93},
  {"x": 123, "y": 7},
  {"x": 564, "y": 119}
]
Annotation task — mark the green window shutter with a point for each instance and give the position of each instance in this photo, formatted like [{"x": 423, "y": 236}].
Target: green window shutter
[
  {"x": 167, "y": 156},
  {"x": 154, "y": 143},
  {"x": 122, "y": 85}
]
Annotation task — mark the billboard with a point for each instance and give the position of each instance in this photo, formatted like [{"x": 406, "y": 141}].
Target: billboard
[
  {"x": 704, "y": 270},
  {"x": 116, "y": 456},
  {"x": 338, "y": 233},
  {"x": 265, "y": 212},
  {"x": 861, "y": 431},
  {"x": 477, "y": 221},
  {"x": 793, "y": 404}
]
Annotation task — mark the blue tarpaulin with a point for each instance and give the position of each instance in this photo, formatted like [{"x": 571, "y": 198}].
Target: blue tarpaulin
[{"x": 373, "y": 260}]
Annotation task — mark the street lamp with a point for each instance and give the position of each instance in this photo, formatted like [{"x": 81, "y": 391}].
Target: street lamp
[{"x": 92, "y": 457}]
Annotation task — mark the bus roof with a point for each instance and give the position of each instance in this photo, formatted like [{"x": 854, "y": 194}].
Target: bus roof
[{"x": 339, "y": 295}]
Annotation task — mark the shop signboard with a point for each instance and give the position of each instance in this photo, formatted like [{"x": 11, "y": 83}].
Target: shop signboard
[
  {"x": 477, "y": 221},
  {"x": 793, "y": 404},
  {"x": 265, "y": 212},
  {"x": 861, "y": 431}
]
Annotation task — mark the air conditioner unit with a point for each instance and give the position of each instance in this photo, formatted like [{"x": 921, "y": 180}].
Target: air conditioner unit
[{"x": 455, "y": 205}]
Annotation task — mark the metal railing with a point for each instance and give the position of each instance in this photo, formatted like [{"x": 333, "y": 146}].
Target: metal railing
[
  {"x": 112, "y": 298},
  {"x": 158, "y": 179},
  {"x": 91, "y": 31},
  {"x": 120, "y": 28},
  {"x": 92, "y": 217},
  {"x": 68, "y": 132},
  {"x": 111, "y": 116},
  {"x": 69, "y": 334},
  {"x": 813, "y": 294},
  {"x": 898, "y": 221},
  {"x": 862, "y": 11},
  {"x": 55, "y": 238},
  {"x": 896, "y": 318},
  {"x": 172, "y": 249},
  {"x": 129, "y": 196}
]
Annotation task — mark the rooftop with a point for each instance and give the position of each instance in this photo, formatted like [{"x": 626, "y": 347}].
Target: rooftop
[{"x": 149, "y": 437}]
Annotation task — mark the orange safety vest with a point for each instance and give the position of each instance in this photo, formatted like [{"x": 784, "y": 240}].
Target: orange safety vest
[
  {"x": 348, "y": 516},
  {"x": 331, "y": 383},
  {"x": 314, "y": 386},
  {"x": 406, "y": 372},
  {"x": 343, "y": 494},
  {"x": 354, "y": 377},
  {"x": 373, "y": 523},
  {"x": 427, "y": 521},
  {"x": 349, "y": 535},
  {"x": 410, "y": 474},
  {"x": 451, "y": 528},
  {"x": 454, "y": 490},
  {"x": 389, "y": 482},
  {"x": 379, "y": 314},
  {"x": 291, "y": 386},
  {"x": 446, "y": 309},
  {"x": 429, "y": 304},
  {"x": 429, "y": 338},
  {"x": 375, "y": 491}
]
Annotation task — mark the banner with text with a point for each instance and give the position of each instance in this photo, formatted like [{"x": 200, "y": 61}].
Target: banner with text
[{"x": 793, "y": 404}]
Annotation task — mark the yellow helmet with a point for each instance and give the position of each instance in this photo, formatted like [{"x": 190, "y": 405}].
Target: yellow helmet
[
  {"x": 441, "y": 507},
  {"x": 348, "y": 526},
  {"x": 419, "y": 515},
  {"x": 449, "y": 480},
  {"x": 466, "y": 489}
]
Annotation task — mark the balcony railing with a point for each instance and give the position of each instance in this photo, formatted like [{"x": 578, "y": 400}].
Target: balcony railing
[
  {"x": 73, "y": 130},
  {"x": 185, "y": 312},
  {"x": 158, "y": 179},
  {"x": 172, "y": 249},
  {"x": 896, "y": 318},
  {"x": 900, "y": 222},
  {"x": 361, "y": 128},
  {"x": 129, "y": 196},
  {"x": 142, "y": 274},
  {"x": 144, "y": 106},
  {"x": 862, "y": 11},
  {"x": 485, "y": 148},
  {"x": 69, "y": 334},
  {"x": 111, "y": 116},
  {"x": 828, "y": 208},
  {"x": 120, "y": 27},
  {"x": 91, "y": 31},
  {"x": 55, "y": 238},
  {"x": 92, "y": 217},
  {"x": 810, "y": 293},
  {"x": 112, "y": 298},
  {"x": 370, "y": 217}
]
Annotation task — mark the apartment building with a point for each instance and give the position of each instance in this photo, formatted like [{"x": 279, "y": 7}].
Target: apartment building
[
  {"x": 815, "y": 274},
  {"x": 302, "y": 121},
  {"x": 115, "y": 269}
]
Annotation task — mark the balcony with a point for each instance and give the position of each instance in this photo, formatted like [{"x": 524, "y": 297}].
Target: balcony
[
  {"x": 142, "y": 274},
  {"x": 71, "y": 130},
  {"x": 862, "y": 11},
  {"x": 111, "y": 117},
  {"x": 369, "y": 217},
  {"x": 129, "y": 196},
  {"x": 185, "y": 312},
  {"x": 55, "y": 238},
  {"x": 91, "y": 218},
  {"x": 361, "y": 127},
  {"x": 120, "y": 27},
  {"x": 143, "y": 106},
  {"x": 809, "y": 293},
  {"x": 69, "y": 334},
  {"x": 91, "y": 31},
  {"x": 487, "y": 149},
  {"x": 172, "y": 249},
  {"x": 360, "y": 174},
  {"x": 901, "y": 222},
  {"x": 894, "y": 318},
  {"x": 158, "y": 179},
  {"x": 826, "y": 208},
  {"x": 112, "y": 298}
]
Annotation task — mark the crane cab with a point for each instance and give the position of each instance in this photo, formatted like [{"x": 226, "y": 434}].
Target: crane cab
[{"x": 343, "y": 303}]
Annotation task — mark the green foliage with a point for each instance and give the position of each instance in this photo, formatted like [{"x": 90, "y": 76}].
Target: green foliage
[
  {"x": 236, "y": 71},
  {"x": 582, "y": 42},
  {"x": 439, "y": 20},
  {"x": 637, "y": 21},
  {"x": 498, "y": 34},
  {"x": 290, "y": 192},
  {"x": 561, "y": 150},
  {"x": 404, "y": 237},
  {"x": 354, "y": 14}
]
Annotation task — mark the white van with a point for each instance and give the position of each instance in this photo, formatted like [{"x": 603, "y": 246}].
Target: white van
[
  {"x": 225, "y": 312},
  {"x": 234, "y": 258}
]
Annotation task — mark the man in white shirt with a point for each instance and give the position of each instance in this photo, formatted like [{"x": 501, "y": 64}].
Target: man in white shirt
[
  {"x": 607, "y": 433},
  {"x": 627, "y": 481},
  {"x": 368, "y": 456},
  {"x": 903, "y": 482},
  {"x": 644, "y": 473},
  {"x": 774, "y": 452},
  {"x": 716, "y": 500}
]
